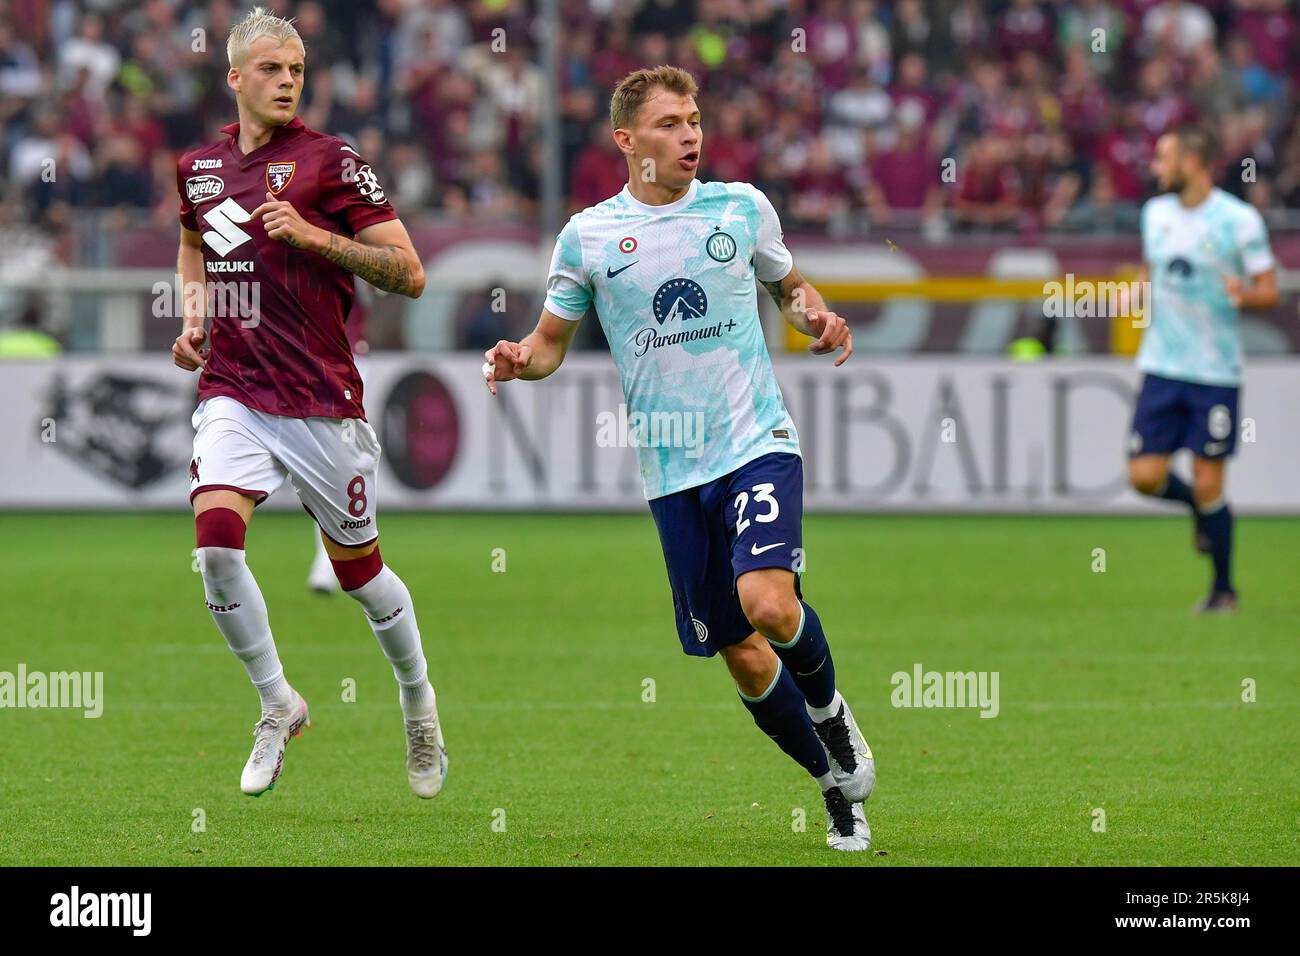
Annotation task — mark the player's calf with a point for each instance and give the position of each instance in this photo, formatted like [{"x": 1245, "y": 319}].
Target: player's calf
[
  {"x": 795, "y": 633},
  {"x": 236, "y": 604},
  {"x": 388, "y": 607}
]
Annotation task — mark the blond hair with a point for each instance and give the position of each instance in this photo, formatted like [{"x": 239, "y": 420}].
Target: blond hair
[
  {"x": 260, "y": 23},
  {"x": 635, "y": 88}
]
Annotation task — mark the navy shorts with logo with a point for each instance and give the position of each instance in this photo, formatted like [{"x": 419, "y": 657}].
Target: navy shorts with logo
[
  {"x": 1171, "y": 414},
  {"x": 749, "y": 519}
]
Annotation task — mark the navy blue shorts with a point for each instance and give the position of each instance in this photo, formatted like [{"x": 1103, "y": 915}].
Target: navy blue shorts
[
  {"x": 1171, "y": 415},
  {"x": 712, "y": 534}
]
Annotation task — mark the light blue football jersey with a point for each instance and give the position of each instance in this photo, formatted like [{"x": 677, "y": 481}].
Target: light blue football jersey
[
  {"x": 674, "y": 288},
  {"x": 1195, "y": 332}
]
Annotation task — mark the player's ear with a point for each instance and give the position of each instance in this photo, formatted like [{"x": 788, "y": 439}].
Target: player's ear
[
  {"x": 232, "y": 79},
  {"x": 623, "y": 140}
]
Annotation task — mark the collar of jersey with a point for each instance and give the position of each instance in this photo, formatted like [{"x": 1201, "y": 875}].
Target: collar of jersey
[
  {"x": 673, "y": 206},
  {"x": 233, "y": 129}
]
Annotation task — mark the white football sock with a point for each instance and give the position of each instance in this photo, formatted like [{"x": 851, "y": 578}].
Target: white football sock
[
  {"x": 387, "y": 603},
  {"x": 237, "y": 606},
  {"x": 822, "y": 714}
]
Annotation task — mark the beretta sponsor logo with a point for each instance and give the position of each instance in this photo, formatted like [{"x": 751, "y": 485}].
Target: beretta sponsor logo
[{"x": 199, "y": 188}]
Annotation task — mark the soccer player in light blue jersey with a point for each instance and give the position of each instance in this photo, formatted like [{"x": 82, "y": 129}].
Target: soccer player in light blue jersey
[
  {"x": 1207, "y": 257},
  {"x": 669, "y": 265}
]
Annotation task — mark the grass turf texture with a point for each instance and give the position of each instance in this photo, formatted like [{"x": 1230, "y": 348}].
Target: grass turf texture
[{"x": 1112, "y": 697}]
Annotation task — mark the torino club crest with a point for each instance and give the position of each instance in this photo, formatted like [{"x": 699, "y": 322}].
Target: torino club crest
[{"x": 278, "y": 175}]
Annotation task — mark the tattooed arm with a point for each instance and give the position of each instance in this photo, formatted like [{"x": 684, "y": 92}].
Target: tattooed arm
[
  {"x": 381, "y": 254},
  {"x": 804, "y": 308}
]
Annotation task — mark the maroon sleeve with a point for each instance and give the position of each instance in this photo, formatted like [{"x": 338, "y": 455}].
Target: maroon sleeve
[
  {"x": 188, "y": 219},
  {"x": 349, "y": 190}
]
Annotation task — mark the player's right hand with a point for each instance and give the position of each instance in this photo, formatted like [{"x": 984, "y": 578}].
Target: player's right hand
[
  {"x": 505, "y": 361},
  {"x": 186, "y": 350}
]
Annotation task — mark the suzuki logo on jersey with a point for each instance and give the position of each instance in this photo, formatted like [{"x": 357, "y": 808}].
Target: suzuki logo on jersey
[
  {"x": 199, "y": 188},
  {"x": 279, "y": 175},
  {"x": 681, "y": 299},
  {"x": 224, "y": 234}
]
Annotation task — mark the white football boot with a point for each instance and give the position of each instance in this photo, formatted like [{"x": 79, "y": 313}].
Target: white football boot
[
  {"x": 426, "y": 756},
  {"x": 851, "y": 762},
  {"x": 846, "y": 823},
  {"x": 271, "y": 734}
]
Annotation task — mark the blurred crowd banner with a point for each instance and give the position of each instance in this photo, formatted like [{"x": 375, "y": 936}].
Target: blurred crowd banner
[
  {"x": 906, "y": 434},
  {"x": 971, "y": 295}
]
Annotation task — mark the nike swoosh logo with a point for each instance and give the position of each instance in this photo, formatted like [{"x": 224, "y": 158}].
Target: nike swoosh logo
[
  {"x": 610, "y": 273},
  {"x": 768, "y": 547}
]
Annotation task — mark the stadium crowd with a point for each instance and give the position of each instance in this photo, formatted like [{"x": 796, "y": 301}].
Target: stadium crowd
[{"x": 851, "y": 114}]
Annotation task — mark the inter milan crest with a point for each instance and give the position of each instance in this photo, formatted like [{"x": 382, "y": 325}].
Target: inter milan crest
[
  {"x": 278, "y": 175},
  {"x": 721, "y": 247}
]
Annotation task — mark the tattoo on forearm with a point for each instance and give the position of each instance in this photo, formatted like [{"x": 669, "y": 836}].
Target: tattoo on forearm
[
  {"x": 384, "y": 267},
  {"x": 774, "y": 290}
]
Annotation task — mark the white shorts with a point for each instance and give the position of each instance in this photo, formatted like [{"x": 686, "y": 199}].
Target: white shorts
[{"x": 330, "y": 462}]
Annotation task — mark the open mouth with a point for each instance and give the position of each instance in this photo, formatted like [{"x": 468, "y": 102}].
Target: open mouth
[{"x": 691, "y": 159}]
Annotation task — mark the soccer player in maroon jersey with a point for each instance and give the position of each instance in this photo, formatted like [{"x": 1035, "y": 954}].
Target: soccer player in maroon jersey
[{"x": 276, "y": 219}]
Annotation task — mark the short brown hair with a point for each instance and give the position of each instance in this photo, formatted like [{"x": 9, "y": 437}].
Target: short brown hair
[
  {"x": 635, "y": 88},
  {"x": 1200, "y": 142}
]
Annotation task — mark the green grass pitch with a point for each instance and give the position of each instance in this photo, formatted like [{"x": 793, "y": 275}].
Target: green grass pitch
[{"x": 1112, "y": 697}]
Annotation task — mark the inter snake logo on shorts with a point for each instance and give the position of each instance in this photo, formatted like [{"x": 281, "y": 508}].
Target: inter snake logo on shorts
[{"x": 701, "y": 631}]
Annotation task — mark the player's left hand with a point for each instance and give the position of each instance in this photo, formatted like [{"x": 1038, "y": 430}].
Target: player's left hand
[
  {"x": 832, "y": 332},
  {"x": 283, "y": 222}
]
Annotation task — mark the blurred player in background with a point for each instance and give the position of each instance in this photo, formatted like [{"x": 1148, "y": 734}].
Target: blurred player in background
[
  {"x": 669, "y": 264},
  {"x": 1207, "y": 257},
  {"x": 292, "y": 215}
]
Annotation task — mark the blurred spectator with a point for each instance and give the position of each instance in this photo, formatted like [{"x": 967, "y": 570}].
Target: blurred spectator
[
  {"x": 89, "y": 51},
  {"x": 903, "y": 184},
  {"x": 1177, "y": 26},
  {"x": 987, "y": 187},
  {"x": 1095, "y": 28}
]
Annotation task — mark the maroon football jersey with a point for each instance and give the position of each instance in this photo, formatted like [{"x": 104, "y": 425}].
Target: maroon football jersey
[{"x": 278, "y": 337}]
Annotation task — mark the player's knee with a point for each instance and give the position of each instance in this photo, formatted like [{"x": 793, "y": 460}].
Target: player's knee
[
  {"x": 749, "y": 663},
  {"x": 354, "y": 573},
  {"x": 772, "y": 611},
  {"x": 1146, "y": 477},
  {"x": 219, "y": 539}
]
